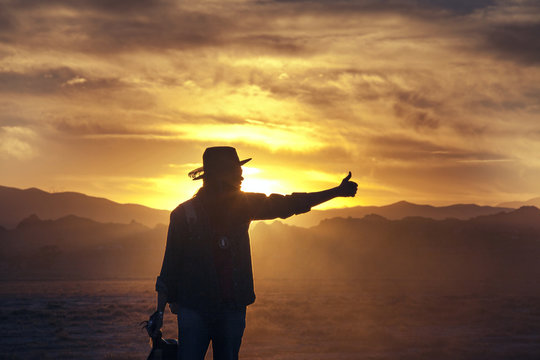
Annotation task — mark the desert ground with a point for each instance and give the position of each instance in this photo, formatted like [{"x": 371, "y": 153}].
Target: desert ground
[{"x": 318, "y": 319}]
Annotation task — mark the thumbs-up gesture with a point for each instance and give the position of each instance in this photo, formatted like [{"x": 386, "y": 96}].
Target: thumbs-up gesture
[{"x": 348, "y": 187}]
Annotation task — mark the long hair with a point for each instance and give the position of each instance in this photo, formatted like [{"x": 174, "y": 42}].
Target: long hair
[{"x": 214, "y": 185}]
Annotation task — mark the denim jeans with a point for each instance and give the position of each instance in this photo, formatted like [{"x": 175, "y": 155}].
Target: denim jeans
[{"x": 196, "y": 328}]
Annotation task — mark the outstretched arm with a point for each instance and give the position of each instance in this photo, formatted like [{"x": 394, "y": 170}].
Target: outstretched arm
[
  {"x": 347, "y": 188},
  {"x": 262, "y": 207}
]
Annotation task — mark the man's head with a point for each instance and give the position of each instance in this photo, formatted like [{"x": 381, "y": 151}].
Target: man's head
[{"x": 220, "y": 165}]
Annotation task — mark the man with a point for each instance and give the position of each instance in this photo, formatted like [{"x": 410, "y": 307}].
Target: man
[{"x": 206, "y": 275}]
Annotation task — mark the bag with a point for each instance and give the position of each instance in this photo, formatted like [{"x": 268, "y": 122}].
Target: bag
[{"x": 162, "y": 349}]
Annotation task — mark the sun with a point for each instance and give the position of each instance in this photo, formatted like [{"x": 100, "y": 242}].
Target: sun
[{"x": 253, "y": 183}]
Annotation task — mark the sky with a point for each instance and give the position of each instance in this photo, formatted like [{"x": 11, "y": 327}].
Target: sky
[{"x": 426, "y": 101}]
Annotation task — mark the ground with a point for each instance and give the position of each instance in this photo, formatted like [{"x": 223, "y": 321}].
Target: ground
[{"x": 318, "y": 319}]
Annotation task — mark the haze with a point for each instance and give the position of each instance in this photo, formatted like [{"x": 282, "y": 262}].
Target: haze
[{"x": 430, "y": 101}]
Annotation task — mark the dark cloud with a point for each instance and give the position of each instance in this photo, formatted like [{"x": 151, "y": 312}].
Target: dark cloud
[
  {"x": 457, "y": 181},
  {"x": 13, "y": 120},
  {"x": 402, "y": 148},
  {"x": 121, "y": 6},
  {"x": 51, "y": 81},
  {"x": 7, "y": 21},
  {"x": 37, "y": 82},
  {"x": 110, "y": 6},
  {"x": 120, "y": 26},
  {"x": 91, "y": 128},
  {"x": 404, "y": 7},
  {"x": 412, "y": 150},
  {"x": 416, "y": 110},
  {"x": 265, "y": 42},
  {"x": 321, "y": 87},
  {"x": 456, "y": 6},
  {"x": 417, "y": 119},
  {"x": 81, "y": 128},
  {"x": 470, "y": 129},
  {"x": 416, "y": 99},
  {"x": 112, "y": 26},
  {"x": 519, "y": 42},
  {"x": 156, "y": 31}
]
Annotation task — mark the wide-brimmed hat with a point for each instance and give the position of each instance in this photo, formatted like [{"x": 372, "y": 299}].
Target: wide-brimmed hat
[{"x": 217, "y": 160}]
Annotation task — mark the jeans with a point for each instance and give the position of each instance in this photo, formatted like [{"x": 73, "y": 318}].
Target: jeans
[{"x": 224, "y": 327}]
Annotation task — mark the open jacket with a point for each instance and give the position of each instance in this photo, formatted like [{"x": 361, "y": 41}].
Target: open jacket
[{"x": 211, "y": 227}]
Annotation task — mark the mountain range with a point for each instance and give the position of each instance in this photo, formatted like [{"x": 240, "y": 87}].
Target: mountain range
[
  {"x": 75, "y": 247},
  {"x": 517, "y": 204},
  {"x": 398, "y": 211},
  {"x": 71, "y": 235},
  {"x": 492, "y": 248},
  {"x": 18, "y": 204}
]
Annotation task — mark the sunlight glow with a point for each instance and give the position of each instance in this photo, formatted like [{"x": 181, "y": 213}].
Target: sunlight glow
[
  {"x": 292, "y": 137},
  {"x": 264, "y": 186}
]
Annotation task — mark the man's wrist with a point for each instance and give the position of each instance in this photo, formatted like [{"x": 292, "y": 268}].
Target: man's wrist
[{"x": 337, "y": 191}]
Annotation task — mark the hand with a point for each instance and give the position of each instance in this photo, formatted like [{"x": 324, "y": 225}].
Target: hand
[
  {"x": 154, "y": 324},
  {"x": 347, "y": 187}
]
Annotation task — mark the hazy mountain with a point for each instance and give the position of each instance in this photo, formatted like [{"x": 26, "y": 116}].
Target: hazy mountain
[
  {"x": 72, "y": 247},
  {"x": 518, "y": 204},
  {"x": 18, "y": 204},
  {"x": 500, "y": 247},
  {"x": 397, "y": 211},
  {"x": 497, "y": 247}
]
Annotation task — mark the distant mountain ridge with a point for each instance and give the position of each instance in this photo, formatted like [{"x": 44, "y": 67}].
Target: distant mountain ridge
[
  {"x": 517, "y": 204},
  {"x": 399, "y": 210},
  {"x": 76, "y": 247},
  {"x": 17, "y": 204},
  {"x": 490, "y": 247}
]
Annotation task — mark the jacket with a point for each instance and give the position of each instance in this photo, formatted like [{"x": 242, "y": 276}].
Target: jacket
[{"x": 207, "y": 231}]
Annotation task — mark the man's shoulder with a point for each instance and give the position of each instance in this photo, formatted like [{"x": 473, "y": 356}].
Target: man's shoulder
[{"x": 180, "y": 210}]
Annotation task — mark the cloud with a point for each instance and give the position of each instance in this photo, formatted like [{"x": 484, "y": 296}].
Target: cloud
[
  {"x": 421, "y": 8},
  {"x": 78, "y": 128},
  {"x": 7, "y": 21},
  {"x": 16, "y": 142},
  {"x": 51, "y": 81},
  {"x": 9, "y": 120},
  {"x": 284, "y": 45},
  {"x": 121, "y": 26},
  {"x": 516, "y": 41},
  {"x": 417, "y": 119},
  {"x": 383, "y": 88},
  {"x": 410, "y": 150}
]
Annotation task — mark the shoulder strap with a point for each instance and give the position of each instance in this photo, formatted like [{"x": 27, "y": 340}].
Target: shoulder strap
[{"x": 191, "y": 215}]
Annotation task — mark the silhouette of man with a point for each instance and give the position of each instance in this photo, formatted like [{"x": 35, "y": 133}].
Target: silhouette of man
[{"x": 206, "y": 275}]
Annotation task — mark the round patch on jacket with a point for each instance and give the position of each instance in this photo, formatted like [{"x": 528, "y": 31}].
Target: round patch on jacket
[{"x": 223, "y": 242}]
